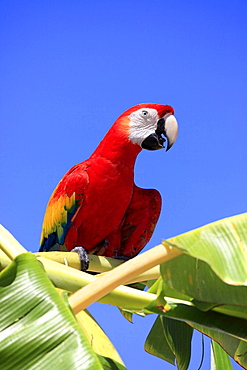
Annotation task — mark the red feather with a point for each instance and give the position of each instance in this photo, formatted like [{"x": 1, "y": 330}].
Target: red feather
[{"x": 97, "y": 205}]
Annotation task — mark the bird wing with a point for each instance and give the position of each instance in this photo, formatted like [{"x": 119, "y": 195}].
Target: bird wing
[
  {"x": 140, "y": 221},
  {"x": 63, "y": 206}
]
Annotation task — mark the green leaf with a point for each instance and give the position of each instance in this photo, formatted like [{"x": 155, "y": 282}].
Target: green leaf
[
  {"x": 194, "y": 278},
  {"x": 167, "y": 290},
  {"x": 222, "y": 244},
  {"x": 156, "y": 343},
  {"x": 219, "y": 359},
  {"x": 109, "y": 364},
  {"x": 211, "y": 320},
  {"x": 240, "y": 354},
  {"x": 235, "y": 347},
  {"x": 37, "y": 327},
  {"x": 170, "y": 340},
  {"x": 97, "y": 338},
  {"x": 128, "y": 315}
]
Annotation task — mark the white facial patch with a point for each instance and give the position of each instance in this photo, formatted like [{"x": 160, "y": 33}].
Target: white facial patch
[{"x": 143, "y": 123}]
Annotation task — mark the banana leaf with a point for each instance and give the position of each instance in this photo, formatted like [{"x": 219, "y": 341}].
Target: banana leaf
[
  {"x": 230, "y": 345},
  {"x": 37, "y": 327},
  {"x": 171, "y": 341},
  {"x": 209, "y": 282},
  {"x": 219, "y": 359},
  {"x": 222, "y": 245}
]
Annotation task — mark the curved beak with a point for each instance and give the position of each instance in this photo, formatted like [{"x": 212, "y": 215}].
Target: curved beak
[
  {"x": 164, "y": 136},
  {"x": 170, "y": 131}
]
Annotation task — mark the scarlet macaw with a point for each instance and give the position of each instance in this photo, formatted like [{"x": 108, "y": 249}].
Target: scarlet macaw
[{"x": 97, "y": 205}]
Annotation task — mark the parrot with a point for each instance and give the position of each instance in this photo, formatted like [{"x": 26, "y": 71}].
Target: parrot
[{"x": 96, "y": 207}]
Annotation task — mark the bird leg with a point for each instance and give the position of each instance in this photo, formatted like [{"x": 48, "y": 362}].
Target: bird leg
[{"x": 83, "y": 256}]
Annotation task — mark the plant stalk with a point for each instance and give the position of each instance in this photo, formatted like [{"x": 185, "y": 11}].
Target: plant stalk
[
  {"x": 96, "y": 263},
  {"x": 107, "y": 282},
  {"x": 9, "y": 245},
  {"x": 99, "y": 264},
  {"x": 70, "y": 279}
]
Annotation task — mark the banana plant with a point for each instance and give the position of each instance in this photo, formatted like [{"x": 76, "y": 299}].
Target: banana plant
[{"x": 196, "y": 281}]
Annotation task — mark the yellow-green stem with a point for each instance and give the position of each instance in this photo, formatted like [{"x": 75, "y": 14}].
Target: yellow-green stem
[
  {"x": 70, "y": 279},
  {"x": 4, "y": 260},
  {"x": 9, "y": 245},
  {"x": 104, "y": 284},
  {"x": 97, "y": 264}
]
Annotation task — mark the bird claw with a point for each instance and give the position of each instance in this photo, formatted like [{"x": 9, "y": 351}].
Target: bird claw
[{"x": 83, "y": 255}]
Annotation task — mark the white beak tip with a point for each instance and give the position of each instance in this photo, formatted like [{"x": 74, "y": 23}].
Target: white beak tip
[{"x": 171, "y": 130}]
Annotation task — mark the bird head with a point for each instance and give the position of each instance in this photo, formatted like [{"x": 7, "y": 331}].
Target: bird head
[{"x": 152, "y": 126}]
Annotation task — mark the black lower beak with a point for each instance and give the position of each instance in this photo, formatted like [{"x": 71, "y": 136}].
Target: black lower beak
[
  {"x": 156, "y": 141},
  {"x": 152, "y": 142}
]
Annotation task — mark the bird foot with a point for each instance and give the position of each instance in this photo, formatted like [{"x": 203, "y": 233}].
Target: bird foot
[{"x": 83, "y": 255}]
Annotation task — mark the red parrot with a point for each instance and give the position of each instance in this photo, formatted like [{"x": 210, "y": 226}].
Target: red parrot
[{"x": 96, "y": 207}]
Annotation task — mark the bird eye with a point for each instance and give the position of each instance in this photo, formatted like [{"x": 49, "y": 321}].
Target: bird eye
[{"x": 144, "y": 113}]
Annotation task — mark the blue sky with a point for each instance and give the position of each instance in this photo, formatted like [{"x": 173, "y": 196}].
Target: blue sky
[{"x": 68, "y": 69}]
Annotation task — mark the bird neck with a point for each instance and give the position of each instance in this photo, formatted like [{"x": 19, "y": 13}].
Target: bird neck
[{"x": 117, "y": 148}]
